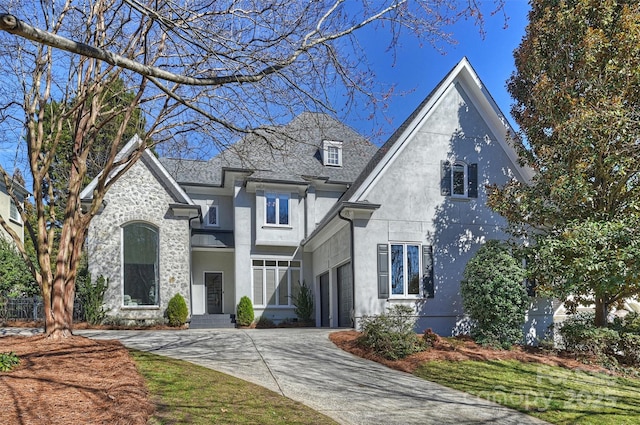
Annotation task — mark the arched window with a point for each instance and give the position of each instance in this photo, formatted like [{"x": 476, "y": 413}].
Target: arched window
[
  {"x": 140, "y": 253},
  {"x": 459, "y": 180}
]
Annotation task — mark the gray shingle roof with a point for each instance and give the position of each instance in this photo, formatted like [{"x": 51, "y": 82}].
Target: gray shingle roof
[{"x": 288, "y": 153}]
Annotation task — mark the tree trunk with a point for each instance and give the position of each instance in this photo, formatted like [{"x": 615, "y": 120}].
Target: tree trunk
[{"x": 601, "y": 312}]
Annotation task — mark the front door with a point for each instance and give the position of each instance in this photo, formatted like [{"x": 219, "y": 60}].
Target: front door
[{"x": 213, "y": 283}]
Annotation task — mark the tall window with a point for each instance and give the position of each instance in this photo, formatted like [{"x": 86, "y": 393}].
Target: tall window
[
  {"x": 405, "y": 269},
  {"x": 275, "y": 283},
  {"x": 140, "y": 264},
  {"x": 212, "y": 215},
  {"x": 458, "y": 179},
  {"x": 277, "y": 208}
]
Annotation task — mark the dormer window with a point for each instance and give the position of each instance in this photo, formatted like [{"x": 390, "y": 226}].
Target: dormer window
[{"x": 332, "y": 153}]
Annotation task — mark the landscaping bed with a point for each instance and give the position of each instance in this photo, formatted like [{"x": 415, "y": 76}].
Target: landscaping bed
[{"x": 75, "y": 380}]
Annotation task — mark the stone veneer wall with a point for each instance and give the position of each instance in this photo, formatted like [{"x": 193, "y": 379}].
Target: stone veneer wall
[{"x": 139, "y": 196}]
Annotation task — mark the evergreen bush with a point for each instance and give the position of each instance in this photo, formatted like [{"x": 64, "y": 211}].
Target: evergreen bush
[
  {"x": 177, "y": 311},
  {"x": 303, "y": 301},
  {"x": 245, "y": 315},
  {"x": 391, "y": 334},
  {"x": 91, "y": 296},
  {"x": 494, "y": 296}
]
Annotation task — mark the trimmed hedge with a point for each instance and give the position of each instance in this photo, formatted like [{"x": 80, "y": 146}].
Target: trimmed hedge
[{"x": 177, "y": 311}]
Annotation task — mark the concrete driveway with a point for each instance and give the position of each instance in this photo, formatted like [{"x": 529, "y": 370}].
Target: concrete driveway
[{"x": 304, "y": 365}]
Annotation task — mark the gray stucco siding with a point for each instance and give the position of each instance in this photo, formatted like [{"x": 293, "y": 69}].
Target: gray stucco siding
[
  {"x": 414, "y": 211},
  {"x": 212, "y": 261},
  {"x": 138, "y": 187}
]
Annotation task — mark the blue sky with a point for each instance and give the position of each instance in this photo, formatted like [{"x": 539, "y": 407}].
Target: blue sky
[{"x": 418, "y": 69}]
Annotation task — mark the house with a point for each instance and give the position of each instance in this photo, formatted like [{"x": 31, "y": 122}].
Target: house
[
  {"x": 9, "y": 210},
  {"x": 313, "y": 202}
]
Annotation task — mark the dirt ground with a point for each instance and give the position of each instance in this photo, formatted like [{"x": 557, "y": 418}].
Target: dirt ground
[
  {"x": 72, "y": 381},
  {"x": 458, "y": 349}
]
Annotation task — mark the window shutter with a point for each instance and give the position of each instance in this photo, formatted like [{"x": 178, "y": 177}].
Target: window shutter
[
  {"x": 473, "y": 180},
  {"x": 383, "y": 271},
  {"x": 445, "y": 178},
  {"x": 427, "y": 266}
]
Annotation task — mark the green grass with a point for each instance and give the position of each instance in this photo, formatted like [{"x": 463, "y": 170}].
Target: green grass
[
  {"x": 185, "y": 393},
  {"x": 553, "y": 394}
]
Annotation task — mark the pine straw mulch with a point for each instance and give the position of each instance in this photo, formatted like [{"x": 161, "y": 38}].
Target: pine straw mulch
[
  {"x": 73, "y": 380},
  {"x": 459, "y": 349}
]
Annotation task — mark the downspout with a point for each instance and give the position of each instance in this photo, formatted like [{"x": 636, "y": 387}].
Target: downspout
[{"x": 353, "y": 267}]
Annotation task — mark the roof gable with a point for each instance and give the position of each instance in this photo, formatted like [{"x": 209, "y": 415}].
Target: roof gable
[
  {"x": 153, "y": 164},
  {"x": 465, "y": 77}
]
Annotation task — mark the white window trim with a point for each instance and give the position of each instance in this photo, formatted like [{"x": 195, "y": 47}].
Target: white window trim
[
  {"x": 208, "y": 222},
  {"x": 405, "y": 285},
  {"x": 277, "y": 267},
  {"x": 465, "y": 177},
  {"x": 277, "y": 195},
  {"x": 325, "y": 153}
]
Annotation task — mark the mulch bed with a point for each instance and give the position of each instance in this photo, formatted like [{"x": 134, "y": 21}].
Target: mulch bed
[
  {"x": 461, "y": 348},
  {"x": 73, "y": 380}
]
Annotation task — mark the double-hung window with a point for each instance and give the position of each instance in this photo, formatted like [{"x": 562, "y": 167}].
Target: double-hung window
[
  {"x": 459, "y": 179},
  {"x": 275, "y": 282},
  {"x": 277, "y": 208},
  {"x": 332, "y": 153}
]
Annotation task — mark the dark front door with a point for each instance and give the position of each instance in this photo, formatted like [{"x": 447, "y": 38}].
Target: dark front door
[
  {"x": 324, "y": 300},
  {"x": 345, "y": 296},
  {"x": 213, "y": 283}
]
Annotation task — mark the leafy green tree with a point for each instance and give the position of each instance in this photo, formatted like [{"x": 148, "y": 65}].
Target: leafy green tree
[
  {"x": 15, "y": 277},
  {"x": 494, "y": 296},
  {"x": 578, "y": 107}
]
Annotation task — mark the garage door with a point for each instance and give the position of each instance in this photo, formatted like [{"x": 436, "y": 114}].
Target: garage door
[{"x": 345, "y": 296}]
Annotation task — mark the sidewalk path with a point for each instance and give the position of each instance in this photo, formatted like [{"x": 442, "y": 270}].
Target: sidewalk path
[{"x": 304, "y": 365}]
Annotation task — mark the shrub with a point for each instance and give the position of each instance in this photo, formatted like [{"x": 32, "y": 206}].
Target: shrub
[
  {"x": 430, "y": 338},
  {"x": 628, "y": 328},
  {"x": 494, "y": 296},
  {"x": 91, "y": 296},
  {"x": 581, "y": 336},
  {"x": 245, "y": 315},
  {"x": 303, "y": 301},
  {"x": 265, "y": 323},
  {"x": 391, "y": 334},
  {"x": 8, "y": 361},
  {"x": 177, "y": 311}
]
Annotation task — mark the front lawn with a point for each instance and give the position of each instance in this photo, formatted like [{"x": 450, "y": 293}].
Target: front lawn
[
  {"x": 551, "y": 393},
  {"x": 185, "y": 393}
]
